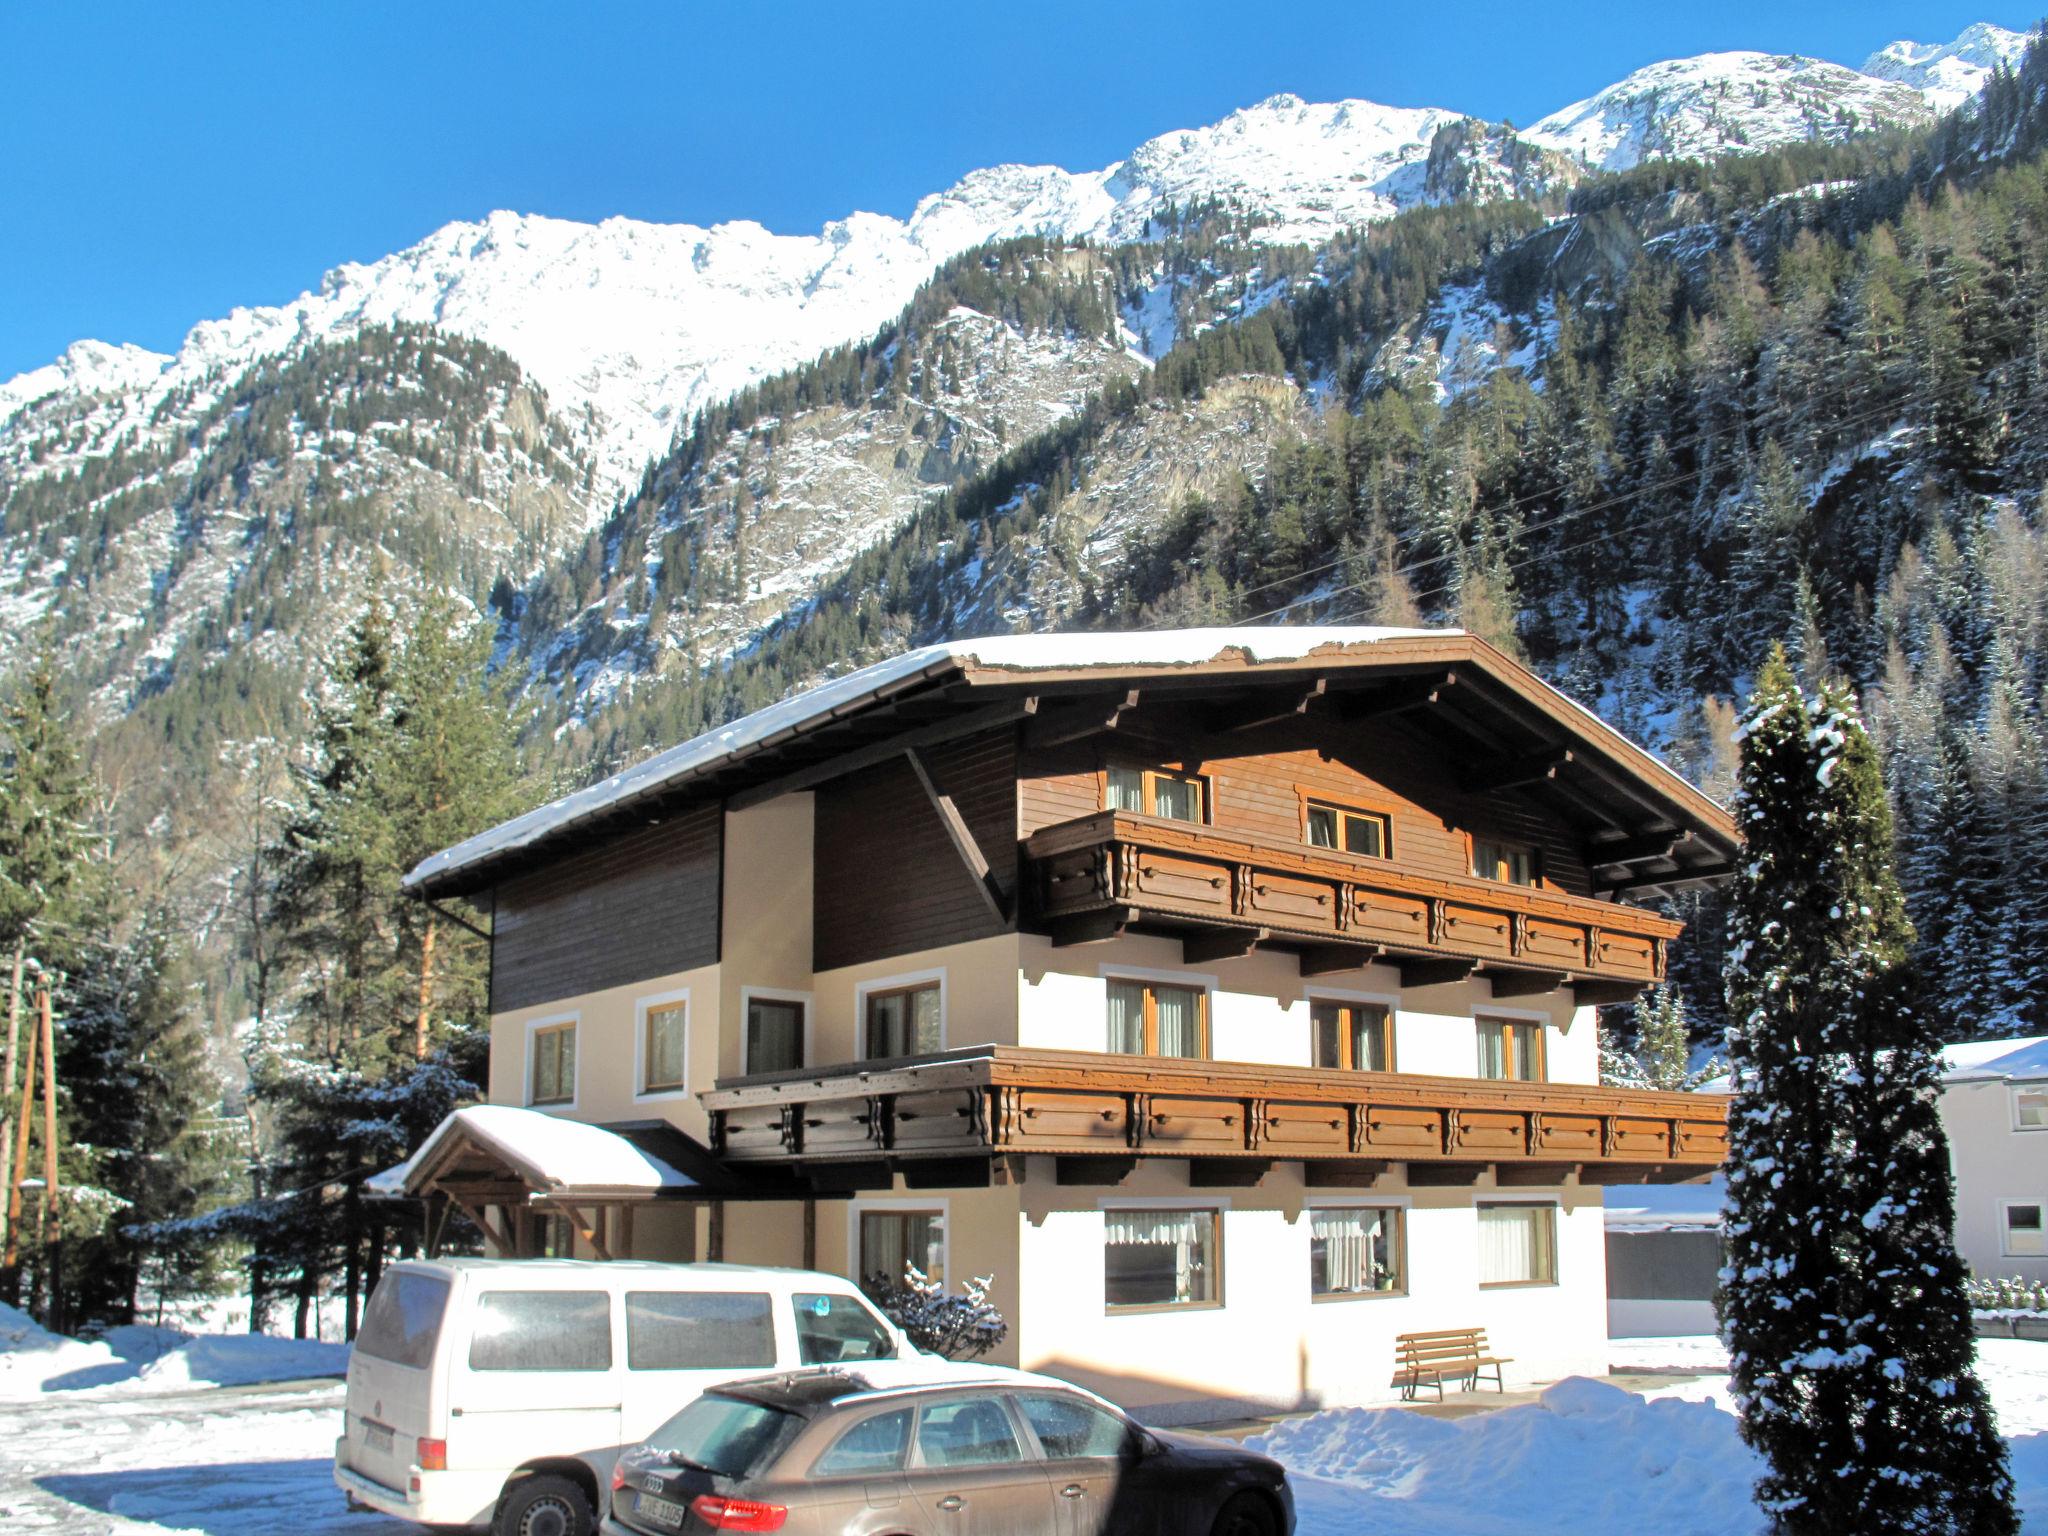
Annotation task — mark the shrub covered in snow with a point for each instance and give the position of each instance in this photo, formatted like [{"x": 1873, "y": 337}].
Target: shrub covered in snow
[
  {"x": 2011, "y": 1294},
  {"x": 962, "y": 1326}
]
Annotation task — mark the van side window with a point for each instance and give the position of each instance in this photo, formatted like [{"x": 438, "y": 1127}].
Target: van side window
[
  {"x": 403, "y": 1321},
  {"x": 696, "y": 1330},
  {"x": 872, "y": 1445},
  {"x": 834, "y": 1329},
  {"x": 542, "y": 1331}
]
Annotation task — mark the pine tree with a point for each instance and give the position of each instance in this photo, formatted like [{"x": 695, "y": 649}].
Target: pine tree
[{"x": 1842, "y": 1304}]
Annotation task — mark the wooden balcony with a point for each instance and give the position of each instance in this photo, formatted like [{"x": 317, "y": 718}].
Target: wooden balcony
[
  {"x": 964, "y": 1117},
  {"x": 1226, "y": 892}
]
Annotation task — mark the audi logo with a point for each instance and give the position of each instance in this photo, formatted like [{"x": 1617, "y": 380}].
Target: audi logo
[{"x": 651, "y": 1484}]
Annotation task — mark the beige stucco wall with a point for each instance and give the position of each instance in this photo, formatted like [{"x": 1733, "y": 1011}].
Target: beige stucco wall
[
  {"x": 766, "y": 934},
  {"x": 1994, "y": 1162},
  {"x": 978, "y": 995}
]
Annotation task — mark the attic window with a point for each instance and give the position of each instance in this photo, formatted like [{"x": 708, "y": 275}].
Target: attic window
[
  {"x": 1327, "y": 825},
  {"x": 1155, "y": 792},
  {"x": 1509, "y": 863}
]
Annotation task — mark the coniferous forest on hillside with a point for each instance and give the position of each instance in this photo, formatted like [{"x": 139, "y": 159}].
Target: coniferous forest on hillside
[{"x": 1799, "y": 396}]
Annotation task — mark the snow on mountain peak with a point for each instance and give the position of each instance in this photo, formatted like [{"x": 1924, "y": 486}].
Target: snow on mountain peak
[
  {"x": 1948, "y": 74},
  {"x": 85, "y": 368}
]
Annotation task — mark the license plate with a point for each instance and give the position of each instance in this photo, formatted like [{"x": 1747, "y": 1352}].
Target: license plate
[
  {"x": 660, "y": 1511},
  {"x": 378, "y": 1437}
]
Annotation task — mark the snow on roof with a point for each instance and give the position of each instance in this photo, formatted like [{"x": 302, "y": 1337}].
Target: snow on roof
[
  {"x": 1021, "y": 653},
  {"x": 1995, "y": 1060},
  {"x": 548, "y": 1152}
]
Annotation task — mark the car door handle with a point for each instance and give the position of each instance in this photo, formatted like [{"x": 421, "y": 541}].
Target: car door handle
[
  {"x": 951, "y": 1502},
  {"x": 1072, "y": 1491}
]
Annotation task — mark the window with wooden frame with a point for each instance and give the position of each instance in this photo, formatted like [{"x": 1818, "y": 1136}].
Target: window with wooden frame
[
  {"x": 551, "y": 1052},
  {"x": 1509, "y": 863},
  {"x": 1327, "y": 824},
  {"x": 893, "y": 1241},
  {"x": 1351, "y": 1037},
  {"x": 1149, "y": 1018},
  {"x": 775, "y": 1034},
  {"x": 903, "y": 1021},
  {"x": 1517, "y": 1245},
  {"x": 664, "y": 1037},
  {"x": 1354, "y": 1251},
  {"x": 1511, "y": 1049},
  {"x": 1168, "y": 1258},
  {"x": 1156, "y": 792}
]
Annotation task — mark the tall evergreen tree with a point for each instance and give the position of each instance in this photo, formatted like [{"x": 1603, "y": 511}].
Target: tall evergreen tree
[{"x": 1849, "y": 1335}]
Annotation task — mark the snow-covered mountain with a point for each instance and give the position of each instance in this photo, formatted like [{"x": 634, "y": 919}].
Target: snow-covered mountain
[
  {"x": 632, "y": 326},
  {"x": 1948, "y": 74}
]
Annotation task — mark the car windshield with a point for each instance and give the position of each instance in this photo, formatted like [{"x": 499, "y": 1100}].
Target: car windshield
[
  {"x": 726, "y": 1435},
  {"x": 832, "y": 1330}
]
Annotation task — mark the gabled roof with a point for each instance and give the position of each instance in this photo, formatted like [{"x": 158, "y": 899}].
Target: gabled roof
[
  {"x": 1988, "y": 1061},
  {"x": 966, "y": 676},
  {"x": 550, "y": 1154}
]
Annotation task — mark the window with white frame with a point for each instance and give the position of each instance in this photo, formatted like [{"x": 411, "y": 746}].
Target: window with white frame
[
  {"x": 2024, "y": 1236},
  {"x": 551, "y": 1058},
  {"x": 775, "y": 1034},
  {"x": 2030, "y": 1109},
  {"x": 891, "y": 1241},
  {"x": 1162, "y": 1258},
  {"x": 903, "y": 1021},
  {"x": 1354, "y": 1250},
  {"x": 664, "y": 1036},
  {"x": 1517, "y": 1245}
]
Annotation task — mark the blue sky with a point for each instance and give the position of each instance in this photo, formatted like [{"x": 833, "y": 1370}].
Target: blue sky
[{"x": 167, "y": 162}]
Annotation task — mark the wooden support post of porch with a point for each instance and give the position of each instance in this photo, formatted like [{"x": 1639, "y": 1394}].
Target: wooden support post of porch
[{"x": 714, "y": 1241}]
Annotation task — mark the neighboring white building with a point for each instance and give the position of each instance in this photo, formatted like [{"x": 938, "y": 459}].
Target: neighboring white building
[
  {"x": 1994, "y": 1106},
  {"x": 1664, "y": 1259}
]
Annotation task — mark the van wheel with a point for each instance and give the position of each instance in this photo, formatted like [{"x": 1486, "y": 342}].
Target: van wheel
[
  {"x": 545, "y": 1506},
  {"x": 1245, "y": 1515}
]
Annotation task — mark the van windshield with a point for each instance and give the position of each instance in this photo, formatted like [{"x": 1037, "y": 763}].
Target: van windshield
[
  {"x": 403, "y": 1321},
  {"x": 726, "y": 1436}
]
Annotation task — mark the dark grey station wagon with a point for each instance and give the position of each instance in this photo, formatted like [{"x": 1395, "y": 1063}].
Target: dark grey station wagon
[{"x": 825, "y": 1453}]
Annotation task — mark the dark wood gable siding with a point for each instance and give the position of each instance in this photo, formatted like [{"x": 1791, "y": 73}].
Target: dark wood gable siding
[
  {"x": 888, "y": 880},
  {"x": 643, "y": 904}
]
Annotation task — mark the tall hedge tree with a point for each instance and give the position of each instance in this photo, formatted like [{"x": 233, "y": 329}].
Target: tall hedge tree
[{"x": 1842, "y": 1300}]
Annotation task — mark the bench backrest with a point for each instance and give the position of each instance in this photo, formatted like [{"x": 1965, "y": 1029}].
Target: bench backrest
[{"x": 1440, "y": 1345}]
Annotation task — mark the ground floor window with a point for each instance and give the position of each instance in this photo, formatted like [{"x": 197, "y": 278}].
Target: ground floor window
[
  {"x": 891, "y": 1241},
  {"x": 775, "y": 1034},
  {"x": 2024, "y": 1237},
  {"x": 1517, "y": 1245},
  {"x": 1162, "y": 1258},
  {"x": 1354, "y": 1250}
]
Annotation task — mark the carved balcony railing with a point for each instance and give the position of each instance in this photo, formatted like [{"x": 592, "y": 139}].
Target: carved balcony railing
[
  {"x": 1101, "y": 1113},
  {"x": 1099, "y": 874}
]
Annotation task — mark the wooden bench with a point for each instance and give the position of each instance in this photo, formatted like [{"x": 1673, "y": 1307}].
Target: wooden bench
[{"x": 1425, "y": 1359}]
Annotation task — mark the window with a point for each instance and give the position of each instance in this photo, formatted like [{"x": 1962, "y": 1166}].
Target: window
[
  {"x": 542, "y": 1331},
  {"x": 1339, "y": 826},
  {"x": 698, "y": 1330},
  {"x": 1155, "y": 792},
  {"x": 890, "y": 1241},
  {"x": 1067, "y": 1427},
  {"x": 1352, "y": 1037},
  {"x": 1517, "y": 1245},
  {"x": 967, "y": 1432},
  {"x": 1160, "y": 1258},
  {"x": 775, "y": 1034},
  {"x": 872, "y": 1445},
  {"x": 831, "y": 1330},
  {"x": 1511, "y": 863},
  {"x": 904, "y": 1021},
  {"x": 403, "y": 1321},
  {"x": 1508, "y": 1049},
  {"x": 663, "y": 1042},
  {"x": 2030, "y": 1108},
  {"x": 2024, "y": 1238},
  {"x": 727, "y": 1436},
  {"x": 1354, "y": 1251},
  {"x": 1151, "y": 1019},
  {"x": 552, "y": 1051}
]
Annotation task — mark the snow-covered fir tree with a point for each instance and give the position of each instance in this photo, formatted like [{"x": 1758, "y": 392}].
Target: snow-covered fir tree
[{"x": 1842, "y": 1303}]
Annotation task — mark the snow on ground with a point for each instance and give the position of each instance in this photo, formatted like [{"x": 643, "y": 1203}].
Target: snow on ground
[{"x": 142, "y": 1359}]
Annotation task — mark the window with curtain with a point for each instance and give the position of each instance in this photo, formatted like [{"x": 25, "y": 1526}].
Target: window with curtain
[
  {"x": 1160, "y": 1258},
  {"x": 775, "y": 1035},
  {"x": 1511, "y": 1049},
  {"x": 891, "y": 1241},
  {"x": 903, "y": 1021},
  {"x": 1354, "y": 831},
  {"x": 1154, "y": 792},
  {"x": 1354, "y": 1250},
  {"x": 1517, "y": 1245},
  {"x": 1510, "y": 863},
  {"x": 662, "y": 1048},
  {"x": 554, "y": 1065},
  {"x": 1352, "y": 1037},
  {"x": 1153, "y": 1019}
]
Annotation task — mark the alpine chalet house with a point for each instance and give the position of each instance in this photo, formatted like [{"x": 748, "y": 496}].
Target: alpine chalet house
[{"x": 1226, "y": 995}]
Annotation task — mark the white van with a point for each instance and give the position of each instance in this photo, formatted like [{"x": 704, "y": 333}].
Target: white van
[{"x": 498, "y": 1391}]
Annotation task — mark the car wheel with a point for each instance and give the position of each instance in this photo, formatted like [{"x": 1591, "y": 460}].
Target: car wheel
[
  {"x": 1245, "y": 1515},
  {"x": 545, "y": 1506}
]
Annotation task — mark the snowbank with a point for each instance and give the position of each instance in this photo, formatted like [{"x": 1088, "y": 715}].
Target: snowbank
[
  {"x": 1586, "y": 1457},
  {"x": 34, "y": 1361}
]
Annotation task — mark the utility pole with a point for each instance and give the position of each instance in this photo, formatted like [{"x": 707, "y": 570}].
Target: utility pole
[
  {"x": 10, "y": 1260},
  {"x": 41, "y": 1042},
  {"x": 49, "y": 1225}
]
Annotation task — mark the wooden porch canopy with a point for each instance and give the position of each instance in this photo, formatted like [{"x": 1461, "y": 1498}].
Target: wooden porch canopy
[{"x": 959, "y": 1118}]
